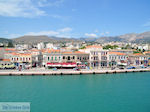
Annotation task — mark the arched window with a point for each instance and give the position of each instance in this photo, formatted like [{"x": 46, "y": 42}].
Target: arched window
[
  {"x": 73, "y": 57},
  {"x": 48, "y": 58},
  {"x": 55, "y": 58},
  {"x": 68, "y": 57},
  {"x": 52, "y": 58}
]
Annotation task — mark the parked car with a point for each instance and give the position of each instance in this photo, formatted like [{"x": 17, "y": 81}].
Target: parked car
[
  {"x": 131, "y": 67},
  {"x": 121, "y": 67},
  {"x": 143, "y": 66},
  {"x": 54, "y": 69},
  {"x": 76, "y": 69}
]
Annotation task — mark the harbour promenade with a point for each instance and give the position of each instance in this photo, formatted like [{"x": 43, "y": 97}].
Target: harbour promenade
[{"x": 67, "y": 72}]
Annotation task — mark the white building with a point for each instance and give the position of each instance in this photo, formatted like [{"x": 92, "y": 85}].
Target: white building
[
  {"x": 91, "y": 48},
  {"x": 22, "y": 46},
  {"x": 50, "y": 46},
  {"x": 40, "y": 46}
]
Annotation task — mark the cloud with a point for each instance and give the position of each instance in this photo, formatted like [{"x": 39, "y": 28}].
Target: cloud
[
  {"x": 67, "y": 29},
  {"x": 14, "y": 35},
  {"x": 25, "y": 8},
  {"x": 64, "y": 32},
  {"x": 90, "y": 35},
  {"x": 19, "y": 8},
  {"x": 52, "y": 33},
  {"x": 56, "y": 3},
  {"x": 147, "y": 24}
]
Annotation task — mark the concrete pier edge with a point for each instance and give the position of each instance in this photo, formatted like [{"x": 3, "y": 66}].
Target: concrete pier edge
[{"x": 45, "y": 73}]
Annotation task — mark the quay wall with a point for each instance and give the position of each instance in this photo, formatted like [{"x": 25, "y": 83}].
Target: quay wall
[{"x": 71, "y": 72}]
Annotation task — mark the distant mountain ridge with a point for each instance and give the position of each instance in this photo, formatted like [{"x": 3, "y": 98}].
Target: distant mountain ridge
[
  {"x": 4, "y": 40},
  {"x": 131, "y": 37},
  {"x": 29, "y": 39}
]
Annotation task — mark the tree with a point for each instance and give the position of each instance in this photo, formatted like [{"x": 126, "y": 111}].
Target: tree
[
  {"x": 83, "y": 47},
  {"x": 10, "y": 44},
  {"x": 110, "y": 47}
]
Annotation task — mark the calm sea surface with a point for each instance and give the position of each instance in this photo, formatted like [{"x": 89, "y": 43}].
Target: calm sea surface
[{"x": 126, "y": 92}]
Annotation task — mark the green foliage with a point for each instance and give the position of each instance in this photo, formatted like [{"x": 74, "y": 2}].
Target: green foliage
[
  {"x": 127, "y": 47},
  {"x": 10, "y": 44},
  {"x": 83, "y": 47},
  {"x": 134, "y": 52},
  {"x": 110, "y": 47}
]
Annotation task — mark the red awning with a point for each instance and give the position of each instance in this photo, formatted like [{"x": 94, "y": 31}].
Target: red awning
[{"x": 62, "y": 64}]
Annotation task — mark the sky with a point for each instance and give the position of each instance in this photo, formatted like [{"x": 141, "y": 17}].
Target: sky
[{"x": 73, "y": 18}]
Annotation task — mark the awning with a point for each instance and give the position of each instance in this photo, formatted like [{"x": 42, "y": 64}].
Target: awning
[
  {"x": 69, "y": 64},
  {"x": 124, "y": 64},
  {"x": 54, "y": 64},
  {"x": 61, "y": 64}
]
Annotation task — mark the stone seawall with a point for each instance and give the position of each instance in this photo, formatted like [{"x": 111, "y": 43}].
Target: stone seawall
[{"x": 71, "y": 72}]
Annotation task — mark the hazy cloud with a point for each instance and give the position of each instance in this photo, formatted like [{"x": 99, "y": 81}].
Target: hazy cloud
[
  {"x": 52, "y": 33},
  {"x": 25, "y": 8},
  {"x": 43, "y": 3},
  {"x": 90, "y": 35},
  {"x": 60, "y": 32},
  {"x": 67, "y": 29},
  {"x": 147, "y": 24}
]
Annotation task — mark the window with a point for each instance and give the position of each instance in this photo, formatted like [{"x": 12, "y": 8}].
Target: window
[
  {"x": 63, "y": 57},
  {"x": 68, "y": 57},
  {"x": 55, "y": 58},
  {"x": 52, "y": 58},
  {"x": 73, "y": 57},
  {"x": 48, "y": 58}
]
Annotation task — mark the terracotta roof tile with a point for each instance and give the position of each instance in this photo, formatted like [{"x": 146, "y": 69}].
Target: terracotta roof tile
[
  {"x": 117, "y": 53},
  {"x": 94, "y": 46}
]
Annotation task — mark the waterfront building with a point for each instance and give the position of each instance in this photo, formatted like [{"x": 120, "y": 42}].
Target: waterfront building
[
  {"x": 138, "y": 59},
  {"x": 118, "y": 59},
  {"x": 19, "y": 59},
  {"x": 99, "y": 58},
  {"x": 126, "y": 51},
  {"x": 59, "y": 59},
  {"x": 76, "y": 56},
  {"x": 50, "y": 57}
]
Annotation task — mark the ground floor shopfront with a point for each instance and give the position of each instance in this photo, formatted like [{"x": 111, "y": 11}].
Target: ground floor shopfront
[{"x": 101, "y": 64}]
